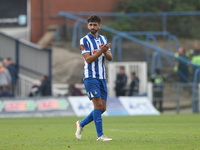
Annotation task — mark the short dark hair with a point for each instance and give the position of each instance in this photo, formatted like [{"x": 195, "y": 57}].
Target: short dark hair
[
  {"x": 121, "y": 67},
  {"x": 45, "y": 77},
  {"x": 157, "y": 71},
  {"x": 94, "y": 18},
  {"x": 9, "y": 58},
  {"x": 133, "y": 73}
]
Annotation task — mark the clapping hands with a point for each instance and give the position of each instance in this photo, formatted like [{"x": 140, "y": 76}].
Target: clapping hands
[{"x": 104, "y": 47}]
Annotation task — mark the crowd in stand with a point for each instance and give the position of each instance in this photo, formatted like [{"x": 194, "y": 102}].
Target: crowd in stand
[
  {"x": 8, "y": 81},
  {"x": 42, "y": 87},
  {"x": 183, "y": 69}
]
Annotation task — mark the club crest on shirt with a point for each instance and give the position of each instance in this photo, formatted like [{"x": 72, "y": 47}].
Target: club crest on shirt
[
  {"x": 95, "y": 51},
  {"x": 82, "y": 47}
]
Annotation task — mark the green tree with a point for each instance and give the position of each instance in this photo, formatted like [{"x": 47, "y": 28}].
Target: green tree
[{"x": 182, "y": 26}]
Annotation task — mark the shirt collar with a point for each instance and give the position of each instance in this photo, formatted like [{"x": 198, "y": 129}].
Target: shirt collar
[{"x": 90, "y": 36}]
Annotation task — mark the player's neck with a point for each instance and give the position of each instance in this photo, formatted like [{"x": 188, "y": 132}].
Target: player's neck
[{"x": 94, "y": 35}]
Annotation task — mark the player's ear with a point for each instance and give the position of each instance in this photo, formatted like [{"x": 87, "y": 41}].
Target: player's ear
[{"x": 99, "y": 26}]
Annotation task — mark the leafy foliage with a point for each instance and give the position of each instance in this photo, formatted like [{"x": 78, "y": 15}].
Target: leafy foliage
[
  {"x": 139, "y": 6},
  {"x": 181, "y": 26}
]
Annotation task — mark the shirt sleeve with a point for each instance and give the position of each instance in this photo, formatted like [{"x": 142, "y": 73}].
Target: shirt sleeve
[{"x": 84, "y": 46}]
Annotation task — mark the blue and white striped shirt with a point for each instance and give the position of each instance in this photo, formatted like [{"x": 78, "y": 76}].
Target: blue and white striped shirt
[{"x": 90, "y": 44}]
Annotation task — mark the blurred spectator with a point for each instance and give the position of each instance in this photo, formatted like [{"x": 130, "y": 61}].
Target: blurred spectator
[
  {"x": 134, "y": 86},
  {"x": 195, "y": 54},
  {"x": 5, "y": 78},
  {"x": 35, "y": 89},
  {"x": 195, "y": 51},
  {"x": 12, "y": 70},
  {"x": 73, "y": 91},
  {"x": 4, "y": 62},
  {"x": 181, "y": 67},
  {"x": 157, "y": 81},
  {"x": 120, "y": 82},
  {"x": 45, "y": 88},
  {"x": 5, "y": 92}
]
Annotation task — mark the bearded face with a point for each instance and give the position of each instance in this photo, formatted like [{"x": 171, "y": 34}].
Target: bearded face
[
  {"x": 93, "y": 31},
  {"x": 93, "y": 27}
]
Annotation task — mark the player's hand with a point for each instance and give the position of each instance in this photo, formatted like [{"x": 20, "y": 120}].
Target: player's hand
[
  {"x": 103, "y": 47},
  {"x": 108, "y": 45}
]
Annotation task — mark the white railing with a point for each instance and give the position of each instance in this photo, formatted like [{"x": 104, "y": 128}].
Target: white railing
[
  {"x": 25, "y": 83},
  {"x": 63, "y": 89}
]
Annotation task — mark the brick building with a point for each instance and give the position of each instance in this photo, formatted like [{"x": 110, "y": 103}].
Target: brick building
[{"x": 45, "y": 12}]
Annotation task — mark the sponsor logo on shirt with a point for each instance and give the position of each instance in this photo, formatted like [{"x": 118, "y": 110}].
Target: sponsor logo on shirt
[{"x": 95, "y": 51}]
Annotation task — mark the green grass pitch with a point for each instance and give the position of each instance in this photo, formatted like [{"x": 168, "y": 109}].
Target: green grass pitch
[{"x": 170, "y": 132}]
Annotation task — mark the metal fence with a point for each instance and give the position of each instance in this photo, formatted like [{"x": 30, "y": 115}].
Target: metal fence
[{"x": 178, "y": 98}]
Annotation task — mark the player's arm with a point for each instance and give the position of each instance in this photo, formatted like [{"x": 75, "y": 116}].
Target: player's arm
[
  {"x": 108, "y": 55},
  {"x": 91, "y": 58}
]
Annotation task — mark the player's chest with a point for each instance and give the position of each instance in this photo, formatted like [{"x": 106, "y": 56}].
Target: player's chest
[{"x": 95, "y": 45}]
